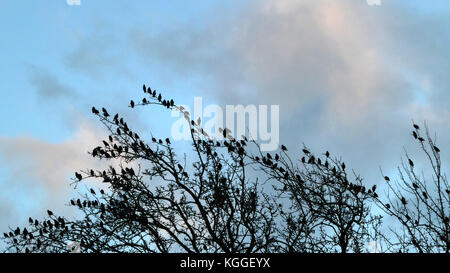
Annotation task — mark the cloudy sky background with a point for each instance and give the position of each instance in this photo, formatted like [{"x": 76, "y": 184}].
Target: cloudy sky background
[{"x": 349, "y": 78}]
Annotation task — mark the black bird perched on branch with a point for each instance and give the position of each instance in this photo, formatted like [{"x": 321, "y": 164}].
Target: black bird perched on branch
[
  {"x": 95, "y": 111},
  {"x": 387, "y": 178},
  {"x": 411, "y": 163},
  {"x": 404, "y": 201},
  {"x": 78, "y": 176},
  {"x": 416, "y": 126},
  {"x": 132, "y": 104},
  {"x": 414, "y": 134},
  {"x": 305, "y": 151},
  {"x": 436, "y": 149},
  {"x": 167, "y": 140},
  {"x": 49, "y": 212},
  {"x": 105, "y": 113},
  {"x": 283, "y": 148},
  {"x": 327, "y": 154}
]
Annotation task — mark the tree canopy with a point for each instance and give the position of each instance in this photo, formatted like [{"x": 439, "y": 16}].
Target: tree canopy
[{"x": 234, "y": 198}]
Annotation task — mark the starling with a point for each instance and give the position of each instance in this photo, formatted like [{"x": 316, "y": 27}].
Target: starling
[
  {"x": 437, "y": 149},
  {"x": 78, "y": 176},
  {"x": 95, "y": 111},
  {"x": 105, "y": 113},
  {"x": 404, "y": 201}
]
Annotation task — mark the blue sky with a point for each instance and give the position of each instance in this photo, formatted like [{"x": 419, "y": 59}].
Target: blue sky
[{"x": 348, "y": 77}]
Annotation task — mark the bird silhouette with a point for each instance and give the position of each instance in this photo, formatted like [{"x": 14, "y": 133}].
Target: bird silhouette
[
  {"x": 78, "y": 176},
  {"x": 327, "y": 154},
  {"x": 305, "y": 151},
  {"x": 411, "y": 163},
  {"x": 49, "y": 212},
  {"x": 105, "y": 113},
  {"x": 283, "y": 148},
  {"x": 132, "y": 104},
  {"x": 167, "y": 140},
  {"x": 436, "y": 149},
  {"x": 404, "y": 201},
  {"x": 95, "y": 111},
  {"x": 92, "y": 191},
  {"x": 144, "y": 88},
  {"x": 414, "y": 134},
  {"x": 416, "y": 126},
  {"x": 387, "y": 178}
]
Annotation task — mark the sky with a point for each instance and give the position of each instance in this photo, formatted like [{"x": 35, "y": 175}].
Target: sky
[{"x": 349, "y": 78}]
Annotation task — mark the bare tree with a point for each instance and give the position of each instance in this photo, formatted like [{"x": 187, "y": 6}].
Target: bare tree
[
  {"x": 162, "y": 204},
  {"x": 420, "y": 205},
  {"x": 230, "y": 197},
  {"x": 328, "y": 211}
]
